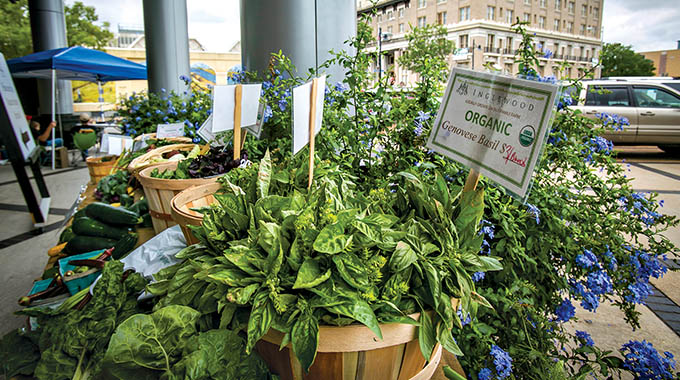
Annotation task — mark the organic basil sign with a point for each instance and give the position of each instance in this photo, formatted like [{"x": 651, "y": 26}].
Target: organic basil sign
[{"x": 494, "y": 124}]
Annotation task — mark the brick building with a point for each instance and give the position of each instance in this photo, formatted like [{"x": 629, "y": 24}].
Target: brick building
[
  {"x": 481, "y": 31},
  {"x": 666, "y": 62}
]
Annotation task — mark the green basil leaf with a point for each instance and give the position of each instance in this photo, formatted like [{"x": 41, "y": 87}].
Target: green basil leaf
[
  {"x": 310, "y": 275},
  {"x": 260, "y": 320},
  {"x": 331, "y": 239},
  {"x": 427, "y": 336},
  {"x": 447, "y": 341},
  {"x": 361, "y": 311},
  {"x": 305, "y": 339},
  {"x": 402, "y": 257},
  {"x": 352, "y": 270},
  {"x": 264, "y": 175}
]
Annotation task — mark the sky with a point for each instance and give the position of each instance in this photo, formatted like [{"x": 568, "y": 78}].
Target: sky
[{"x": 647, "y": 25}]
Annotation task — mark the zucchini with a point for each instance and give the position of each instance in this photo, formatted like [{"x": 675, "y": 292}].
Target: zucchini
[
  {"x": 112, "y": 215},
  {"x": 82, "y": 244},
  {"x": 91, "y": 227},
  {"x": 79, "y": 214},
  {"x": 141, "y": 207},
  {"x": 66, "y": 235},
  {"x": 124, "y": 246}
]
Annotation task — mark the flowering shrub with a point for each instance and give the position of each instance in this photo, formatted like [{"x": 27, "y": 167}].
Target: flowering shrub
[
  {"x": 583, "y": 237},
  {"x": 142, "y": 112}
]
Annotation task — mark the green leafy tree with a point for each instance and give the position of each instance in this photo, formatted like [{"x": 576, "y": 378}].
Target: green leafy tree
[
  {"x": 620, "y": 60},
  {"x": 81, "y": 29},
  {"x": 15, "y": 28}
]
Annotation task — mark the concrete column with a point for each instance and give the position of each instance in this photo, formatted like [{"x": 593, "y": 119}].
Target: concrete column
[
  {"x": 304, "y": 30},
  {"x": 167, "y": 44},
  {"x": 48, "y": 31}
]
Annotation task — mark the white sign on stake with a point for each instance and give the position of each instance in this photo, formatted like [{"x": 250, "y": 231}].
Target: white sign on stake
[
  {"x": 495, "y": 125},
  {"x": 205, "y": 131},
  {"x": 301, "y": 108},
  {"x": 118, "y": 143},
  {"x": 169, "y": 130},
  {"x": 223, "y": 106},
  {"x": 256, "y": 129}
]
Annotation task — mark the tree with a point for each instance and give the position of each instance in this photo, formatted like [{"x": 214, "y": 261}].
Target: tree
[
  {"x": 15, "y": 28},
  {"x": 620, "y": 60}
]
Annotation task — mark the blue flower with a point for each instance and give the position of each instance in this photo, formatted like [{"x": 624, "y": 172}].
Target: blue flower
[
  {"x": 614, "y": 121},
  {"x": 502, "y": 361},
  {"x": 587, "y": 259},
  {"x": 639, "y": 292},
  {"x": 463, "y": 321},
  {"x": 478, "y": 276},
  {"x": 565, "y": 311},
  {"x": 138, "y": 118},
  {"x": 185, "y": 78},
  {"x": 283, "y": 104},
  {"x": 267, "y": 85},
  {"x": 599, "y": 282},
  {"x": 268, "y": 113},
  {"x": 548, "y": 54},
  {"x": 585, "y": 338},
  {"x": 535, "y": 211},
  {"x": 485, "y": 374},
  {"x": 645, "y": 362},
  {"x": 422, "y": 116}
]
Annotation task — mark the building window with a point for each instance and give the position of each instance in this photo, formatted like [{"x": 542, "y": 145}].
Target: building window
[
  {"x": 379, "y": 18},
  {"x": 441, "y": 1},
  {"x": 508, "y": 44},
  {"x": 400, "y": 11},
  {"x": 558, "y": 5},
  {"x": 509, "y": 16},
  {"x": 541, "y": 22},
  {"x": 390, "y": 15},
  {"x": 556, "y": 27},
  {"x": 584, "y": 10},
  {"x": 441, "y": 18},
  {"x": 463, "y": 41},
  {"x": 422, "y": 3},
  {"x": 490, "y": 41},
  {"x": 542, "y": 3},
  {"x": 527, "y": 2},
  {"x": 422, "y": 21},
  {"x": 464, "y": 13},
  {"x": 571, "y": 7},
  {"x": 570, "y": 27},
  {"x": 401, "y": 28},
  {"x": 490, "y": 13},
  {"x": 596, "y": 13},
  {"x": 527, "y": 17},
  {"x": 583, "y": 29},
  {"x": 389, "y": 29}
]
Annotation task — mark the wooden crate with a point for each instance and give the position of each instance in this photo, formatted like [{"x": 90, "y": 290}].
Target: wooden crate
[
  {"x": 159, "y": 193},
  {"x": 61, "y": 157},
  {"x": 193, "y": 197}
]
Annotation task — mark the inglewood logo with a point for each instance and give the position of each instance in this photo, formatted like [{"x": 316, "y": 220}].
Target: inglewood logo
[{"x": 527, "y": 135}]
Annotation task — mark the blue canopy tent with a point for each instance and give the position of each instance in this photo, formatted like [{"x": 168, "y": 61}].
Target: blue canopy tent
[{"x": 74, "y": 63}]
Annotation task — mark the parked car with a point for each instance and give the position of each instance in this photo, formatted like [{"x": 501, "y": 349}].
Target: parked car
[{"x": 651, "y": 106}]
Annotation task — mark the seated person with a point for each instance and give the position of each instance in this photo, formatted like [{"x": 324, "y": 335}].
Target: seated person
[{"x": 42, "y": 136}]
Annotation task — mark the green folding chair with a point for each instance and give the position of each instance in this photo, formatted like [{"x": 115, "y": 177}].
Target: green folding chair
[{"x": 84, "y": 139}]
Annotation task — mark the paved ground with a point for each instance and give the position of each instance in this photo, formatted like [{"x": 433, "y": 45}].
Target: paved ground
[{"x": 23, "y": 250}]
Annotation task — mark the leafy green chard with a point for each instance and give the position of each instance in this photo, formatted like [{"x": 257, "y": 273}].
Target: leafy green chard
[{"x": 274, "y": 255}]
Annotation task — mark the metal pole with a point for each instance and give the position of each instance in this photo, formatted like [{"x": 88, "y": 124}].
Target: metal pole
[
  {"x": 473, "y": 54},
  {"x": 54, "y": 99},
  {"x": 379, "y": 53}
]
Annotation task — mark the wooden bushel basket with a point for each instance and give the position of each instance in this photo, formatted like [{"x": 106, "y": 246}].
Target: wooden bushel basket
[
  {"x": 159, "y": 193},
  {"x": 143, "y": 161},
  {"x": 99, "y": 169},
  {"x": 354, "y": 353},
  {"x": 193, "y": 197}
]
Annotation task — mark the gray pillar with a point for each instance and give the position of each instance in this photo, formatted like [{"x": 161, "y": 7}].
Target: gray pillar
[
  {"x": 48, "y": 31},
  {"x": 167, "y": 44},
  {"x": 305, "y": 30}
]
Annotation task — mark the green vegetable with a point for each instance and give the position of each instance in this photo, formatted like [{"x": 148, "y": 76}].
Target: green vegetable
[
  {"x": 112, "y": 215},
  {"x": 50, "y": 273},
  {"x": 72, "y": 342},
  {"x": 19, "y": 353},
  {"x": 114, "y": 188},
  {"x": 283, "y": 257},
  {"x": 66, "y": 234},
  {"x": 79, "y": 214},
  {"x": 90, "y": 227},
  {"x": 124, "y": 246},
  {"x": 166, "y": 344},
  {"x": 82, "y": 244},
  {"x": 141, "y": 207},
  {"x": 146, "y": 220}
]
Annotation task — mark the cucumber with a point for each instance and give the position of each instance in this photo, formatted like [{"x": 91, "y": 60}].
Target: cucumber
[
  {"x": 66, "y": 235},
  {"x": 79, "y": 214},
  {"x": 111, "y": 214},
  {"x": 82, "y": 244},
  {"x": 124, "y": 246},
  {"x": 91, "y": 227}
]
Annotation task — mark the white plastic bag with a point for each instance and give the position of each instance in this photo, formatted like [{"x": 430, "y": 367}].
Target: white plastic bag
[{"x": 157, "y": 253}]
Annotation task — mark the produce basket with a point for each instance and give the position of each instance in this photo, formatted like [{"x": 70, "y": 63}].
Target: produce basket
[
  {"x": 159, "y": 193},
  {"x": 147, "y": 159},
  {"x": 99, "y": 168},
  {"x": 193, "y": 197},
  {"x": 354, "y": 352},
  {"x": 179, "y": 140}
]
